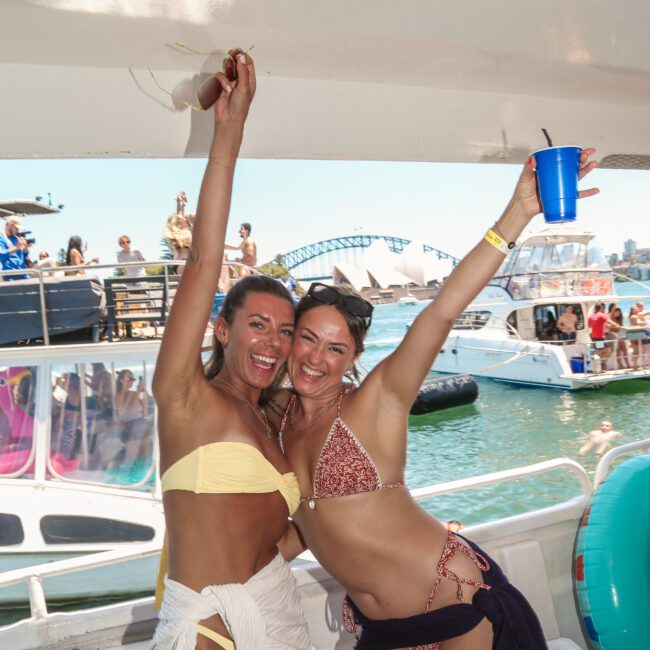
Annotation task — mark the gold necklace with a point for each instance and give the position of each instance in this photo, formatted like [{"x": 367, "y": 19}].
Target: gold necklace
[
  {"x": 255, "y": 410},
  {"x": 311, "y": 417}
]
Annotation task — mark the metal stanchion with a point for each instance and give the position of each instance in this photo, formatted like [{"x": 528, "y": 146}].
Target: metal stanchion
[{"x": 41, "y": 295}]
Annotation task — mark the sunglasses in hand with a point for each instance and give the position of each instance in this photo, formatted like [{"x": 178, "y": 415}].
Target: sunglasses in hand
[{"x": 210, "y": 90}]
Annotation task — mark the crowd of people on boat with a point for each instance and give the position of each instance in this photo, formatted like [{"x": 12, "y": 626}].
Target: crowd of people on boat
[
  {"x": 240, "y": 454},
  {"x": 115, "y": 418},
  {"x": 101, "y": 423},
  {"x": 15, "y": 249},
  {"x": 608, "y": 332}
]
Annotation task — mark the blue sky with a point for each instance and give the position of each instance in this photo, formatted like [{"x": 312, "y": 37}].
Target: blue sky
[{"x": 292, "y": 203}]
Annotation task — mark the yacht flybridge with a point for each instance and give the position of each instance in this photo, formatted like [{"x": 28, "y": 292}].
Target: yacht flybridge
[{"x": 510, "y": 331}]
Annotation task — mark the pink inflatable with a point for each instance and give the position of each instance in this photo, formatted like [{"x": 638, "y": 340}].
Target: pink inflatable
[{"x": 14, "y": 451}]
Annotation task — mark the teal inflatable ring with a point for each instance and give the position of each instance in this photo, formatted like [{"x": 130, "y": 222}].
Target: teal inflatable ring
[{"x": 612, "y": 559}]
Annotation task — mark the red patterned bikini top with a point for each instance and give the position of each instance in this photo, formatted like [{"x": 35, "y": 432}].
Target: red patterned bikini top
[{"x": 344, "y": 467}]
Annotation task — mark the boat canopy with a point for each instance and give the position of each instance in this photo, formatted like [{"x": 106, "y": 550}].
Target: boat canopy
[
  {"x": 25, "y": 206},
  {"x": 369, "y": 80},
  {"x": 556, "y": 264},
  {"x": 555, "y": 254}
]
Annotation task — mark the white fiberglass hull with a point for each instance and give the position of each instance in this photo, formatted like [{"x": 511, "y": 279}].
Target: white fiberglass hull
[
  {"x": 521, "y": 362},
  {"x": 89, "y": 513}
]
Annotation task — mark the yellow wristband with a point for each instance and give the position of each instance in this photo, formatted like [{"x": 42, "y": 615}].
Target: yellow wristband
[{"x": 491, "y": 237}]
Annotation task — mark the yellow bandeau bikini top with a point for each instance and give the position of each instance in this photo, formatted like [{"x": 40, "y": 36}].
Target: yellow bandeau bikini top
[
  {"x": 225, "y": 468},
  {"x": 230, "y": 468}
]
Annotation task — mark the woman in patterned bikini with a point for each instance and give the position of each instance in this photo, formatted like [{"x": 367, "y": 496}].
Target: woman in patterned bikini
[{"x": 411, "y": 581}]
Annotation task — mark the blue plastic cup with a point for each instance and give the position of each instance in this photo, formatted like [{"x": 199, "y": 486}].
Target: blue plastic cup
[{"x": 557, "y": 177}]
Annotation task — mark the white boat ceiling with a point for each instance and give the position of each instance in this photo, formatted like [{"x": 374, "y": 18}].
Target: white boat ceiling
[{"x": 419, "y": 80}]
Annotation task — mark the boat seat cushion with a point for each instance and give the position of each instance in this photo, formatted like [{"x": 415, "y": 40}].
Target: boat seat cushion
[{"x": 524, "y": 565}]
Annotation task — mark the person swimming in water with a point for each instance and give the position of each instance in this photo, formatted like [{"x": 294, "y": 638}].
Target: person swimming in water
[{"x": 600, "y": 438}]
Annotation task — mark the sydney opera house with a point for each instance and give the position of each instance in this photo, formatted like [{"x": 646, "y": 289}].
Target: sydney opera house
[{"x": 384, "y": 276}]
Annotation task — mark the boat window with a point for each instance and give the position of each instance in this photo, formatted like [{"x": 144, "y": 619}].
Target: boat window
[
  {"x": 472, "y": 320},
  {"x": 595, "y": 257},
  {"x": 72, "y": 529},
  {"x": 545, "y": 317},
  {"x": 512, "y": 322},
  {"x": 11, "y": 530},
  {"x": 103, "y": 423},
  {"x": 17, "y": 393}
]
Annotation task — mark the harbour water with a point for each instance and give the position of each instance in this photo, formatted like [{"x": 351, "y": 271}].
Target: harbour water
[{"x": 508, "y": 426}]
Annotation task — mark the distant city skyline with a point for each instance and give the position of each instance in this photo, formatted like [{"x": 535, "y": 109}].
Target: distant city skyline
[{"x": 632, "y": 253}]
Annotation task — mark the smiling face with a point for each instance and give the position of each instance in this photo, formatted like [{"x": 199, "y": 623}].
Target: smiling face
[
  {"x": 323, "y": 351},
  {"x": 257, "y": 342}
]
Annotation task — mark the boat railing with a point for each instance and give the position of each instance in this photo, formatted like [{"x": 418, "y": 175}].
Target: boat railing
[
  {"x": 60, "y": 299},
  {"x": 606, "y": 462},
  {"x": 605, "y": 356},
  {"x": 34, "y": 576},
  {"x": 531, "y": 285},
  {"x": 507, "y": 475}
]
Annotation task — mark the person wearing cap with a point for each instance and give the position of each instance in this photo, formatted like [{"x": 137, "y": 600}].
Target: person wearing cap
[{"x": 14, "y": 249}]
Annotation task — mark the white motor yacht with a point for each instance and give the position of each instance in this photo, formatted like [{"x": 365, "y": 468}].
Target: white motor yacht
[{"x": 509, "y": 332}]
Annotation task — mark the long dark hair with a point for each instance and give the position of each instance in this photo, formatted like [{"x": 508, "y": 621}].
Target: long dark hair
[
  {"x": 75, "y": 242},
  {"x": 617, "y": 319},
  {"x": 120, "y": 383},
  {"x": 357, "y": 325},
  {"x": 234, "y": 301}
]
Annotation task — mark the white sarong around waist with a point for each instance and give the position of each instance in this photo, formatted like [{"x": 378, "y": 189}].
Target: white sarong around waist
[{"x": 264, "y": 613}]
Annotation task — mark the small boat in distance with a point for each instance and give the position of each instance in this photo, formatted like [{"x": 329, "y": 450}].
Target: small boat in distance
[
  {"x": 509, "y": 332},
  {"x": 407, "y": 300}
]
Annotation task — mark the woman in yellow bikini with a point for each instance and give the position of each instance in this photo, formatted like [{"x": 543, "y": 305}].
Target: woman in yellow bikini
[{"x": 227, "y": 488}]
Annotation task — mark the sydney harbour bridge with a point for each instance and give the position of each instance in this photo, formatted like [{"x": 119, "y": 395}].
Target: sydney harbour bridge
[{"x": 315, "y": 261}]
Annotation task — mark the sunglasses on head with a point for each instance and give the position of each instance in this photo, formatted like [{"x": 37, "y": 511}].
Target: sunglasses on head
[
  {"x": 353, "y": 305},
  {"x": 211, "y": 89}
]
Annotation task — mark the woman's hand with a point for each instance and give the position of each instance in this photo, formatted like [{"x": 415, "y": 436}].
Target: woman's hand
[
  {"x": 233, "y": 104},
  {"x": 527, "y": 193}
]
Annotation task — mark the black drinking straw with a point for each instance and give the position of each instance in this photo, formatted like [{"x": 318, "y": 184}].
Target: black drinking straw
[{"x": 548, "y": 137}]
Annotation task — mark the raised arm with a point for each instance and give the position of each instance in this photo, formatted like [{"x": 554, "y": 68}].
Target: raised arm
[
  {"x": 401, "y": 374},
  {"x": 179, "y": 360},
  {"x": 228, "y": 247}
]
